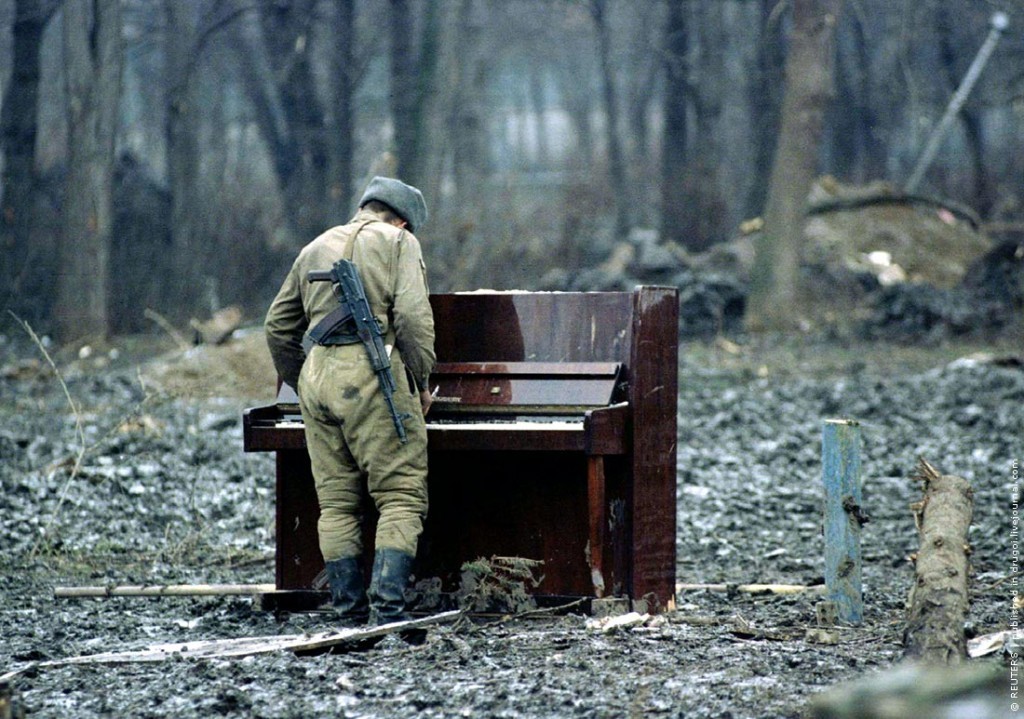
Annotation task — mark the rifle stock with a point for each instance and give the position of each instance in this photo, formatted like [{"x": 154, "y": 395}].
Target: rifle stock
[{"x": 348, "y": 287}]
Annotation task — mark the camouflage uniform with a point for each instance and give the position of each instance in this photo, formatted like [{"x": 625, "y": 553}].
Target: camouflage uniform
[{"x": 349, "y": 431}]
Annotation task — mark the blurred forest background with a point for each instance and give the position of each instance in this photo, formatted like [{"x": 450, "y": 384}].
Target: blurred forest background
[{"x": 173, "y": 155}]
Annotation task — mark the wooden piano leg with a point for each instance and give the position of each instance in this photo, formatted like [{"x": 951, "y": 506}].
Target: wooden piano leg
[{"x": 596, "y": 501}]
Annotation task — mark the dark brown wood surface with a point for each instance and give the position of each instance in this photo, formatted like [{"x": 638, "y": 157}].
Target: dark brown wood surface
[
  {"x": 596, "y": 504},
  {"x": 654, "y": 363}
]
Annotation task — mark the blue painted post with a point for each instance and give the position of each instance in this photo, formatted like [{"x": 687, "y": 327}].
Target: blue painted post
[{"x": 840, "y": 456}]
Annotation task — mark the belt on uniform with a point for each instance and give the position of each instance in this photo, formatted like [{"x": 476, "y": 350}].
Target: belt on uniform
[{"x": 337, "y": 328}]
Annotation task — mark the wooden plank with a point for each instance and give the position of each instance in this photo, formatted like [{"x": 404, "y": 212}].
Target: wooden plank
[
  {"x": 596, "y": 501},
  {"x": 248, "y": 646},
  {"x": 164, "y": 590},
  {"x": 840, "y": 449},
  {"x": 653, "y": 396}
]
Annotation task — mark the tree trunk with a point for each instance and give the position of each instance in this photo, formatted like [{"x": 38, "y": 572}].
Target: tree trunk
[
  {"x": 468, "y": 119},
  {"x": 405, "y": 89},
  {"x": 469, "y": 148},
  {"x": 674, "y": 220},
  {"x": 616, "y": 164},
  {"x": 438, "y": 92},
  {"x": 278, "y": 76},
  {"x": 704, "y": 192},
  {"x": 578, "y": 105},
  {"x": 342, "y": 127},
  {"x": 643, "y": 67},
  {"x": 844, "y": 120},
  {"x": 93, "y": 57},
  {"x": 775, "y": 300},
  {"x": 182, "y": 138},
  {"x": 938, "y": 601},
  {"x": 973, "y": 131},
  {"x": 870, "y": 109},
  {"x": 18, "y": 127},
  {"x": 765, "y": 104},
  {"x": 288, "y": 32}
]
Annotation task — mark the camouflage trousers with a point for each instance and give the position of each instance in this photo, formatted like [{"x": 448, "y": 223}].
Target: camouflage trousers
[{"x": 352, "y": 440}]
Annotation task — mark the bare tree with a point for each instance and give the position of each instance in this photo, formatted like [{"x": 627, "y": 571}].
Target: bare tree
[
  {"x": 279, "y": 78},
  {"x": 765, "y": 102},
  {"x": 93, "y": 59},
  {"x": 704, "y": 192},
  {"x": 18, "y": 129},
  {"x": 951, "y": 58},
  {"x": 468, "y": 123},
  {"x": 853, "y": 122},
  {"x": 423, "y": 70},
  {"x": 410, "y": 83},
  {"x": 345, "y": 75},
  {"x": 673, "y": 162},
  {"x": 775, "y": 294},
  {"x": 609, "y": 94},
  {"x": 181, "y": 53}
]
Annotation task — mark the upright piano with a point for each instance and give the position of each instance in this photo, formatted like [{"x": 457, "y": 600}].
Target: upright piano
[{"x": 552, "y": 437}]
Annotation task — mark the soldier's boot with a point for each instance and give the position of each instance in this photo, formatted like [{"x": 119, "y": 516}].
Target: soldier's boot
[
  {"x": 391, "y": 571},
  {"x": 348, "y": 591}
]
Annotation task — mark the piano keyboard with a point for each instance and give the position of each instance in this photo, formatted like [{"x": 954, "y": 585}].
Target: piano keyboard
[{"x": 524, "y": 423}]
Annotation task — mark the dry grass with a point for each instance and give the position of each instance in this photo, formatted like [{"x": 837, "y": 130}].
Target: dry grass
[{"x": 239, "y": 368}]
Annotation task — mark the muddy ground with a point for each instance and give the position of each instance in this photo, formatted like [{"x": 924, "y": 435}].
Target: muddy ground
[{"x": 147, "y": 482}]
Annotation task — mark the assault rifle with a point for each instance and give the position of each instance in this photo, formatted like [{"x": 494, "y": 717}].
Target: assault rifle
[{"x": 348, "y": 288}]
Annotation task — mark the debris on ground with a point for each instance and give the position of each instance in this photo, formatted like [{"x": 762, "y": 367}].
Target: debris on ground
[
  {"x": 878, "y": 263},
  {"x": 170, "y": 498},
  {"x": 622, "y": 621}
]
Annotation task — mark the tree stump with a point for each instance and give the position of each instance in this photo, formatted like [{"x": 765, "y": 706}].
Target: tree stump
[{"x": 938, "y": 600}]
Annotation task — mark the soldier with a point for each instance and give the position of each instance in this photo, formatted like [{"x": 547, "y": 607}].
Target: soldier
[{"x": 349, "y": 430}]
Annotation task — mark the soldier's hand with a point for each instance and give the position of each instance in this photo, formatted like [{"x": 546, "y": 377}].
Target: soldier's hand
[{"x": 426, "y": 399}]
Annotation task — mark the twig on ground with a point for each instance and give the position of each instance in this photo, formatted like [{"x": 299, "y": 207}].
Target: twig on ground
[
  {"x": 76, "y": 460},
  {"x": 79, "y": 433},
  {"x": 166, "y": 326},
  {"x": 999, "y": 582},
  {"x": 466, "y": 621},
  {"x": 543, "y": 610}
]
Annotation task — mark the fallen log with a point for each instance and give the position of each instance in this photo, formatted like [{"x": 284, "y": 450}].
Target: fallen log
[
  {"x": 164, "y": 590},
  {"x": 891, "y": 196},
  {"x": 938, "y": 601}
]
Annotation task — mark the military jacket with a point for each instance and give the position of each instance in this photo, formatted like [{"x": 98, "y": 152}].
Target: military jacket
[{"x": 391, "y": 265}]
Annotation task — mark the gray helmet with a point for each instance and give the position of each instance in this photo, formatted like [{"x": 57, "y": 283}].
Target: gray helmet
[{"x": 405, "y": 200}]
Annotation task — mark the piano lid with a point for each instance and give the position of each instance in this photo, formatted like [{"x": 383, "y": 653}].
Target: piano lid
[{"x": 523, "y": 387}]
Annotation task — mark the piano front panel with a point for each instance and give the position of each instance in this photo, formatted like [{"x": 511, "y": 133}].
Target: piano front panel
[
  {"x": 471, "y": 516},
  {"x": 530, "y": 505},
  {"x": 298, "y": 559}
]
